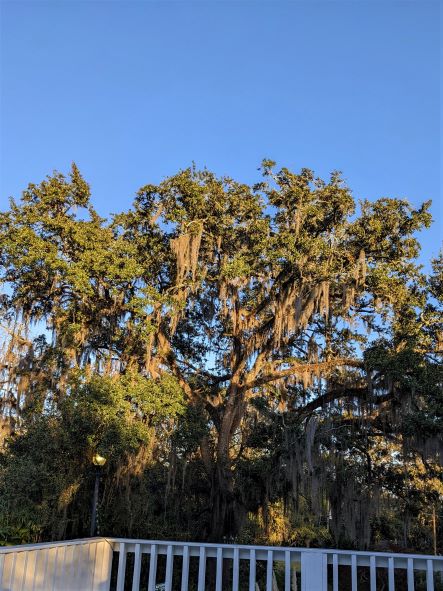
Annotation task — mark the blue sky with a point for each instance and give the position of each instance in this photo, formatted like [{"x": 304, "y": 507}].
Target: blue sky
[{"x": 132, "y": 91}]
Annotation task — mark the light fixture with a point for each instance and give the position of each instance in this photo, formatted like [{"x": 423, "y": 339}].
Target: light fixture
[{"x": 98, "y": 460}]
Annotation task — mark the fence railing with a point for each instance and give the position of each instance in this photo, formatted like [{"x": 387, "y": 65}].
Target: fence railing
[{"x": 110, "y": 564}]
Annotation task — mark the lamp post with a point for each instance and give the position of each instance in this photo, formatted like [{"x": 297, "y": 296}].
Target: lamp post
[{"x": 98, "y": 461}]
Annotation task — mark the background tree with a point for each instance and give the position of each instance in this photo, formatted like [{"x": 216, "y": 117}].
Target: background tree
[{"x": 295, "y": 321}]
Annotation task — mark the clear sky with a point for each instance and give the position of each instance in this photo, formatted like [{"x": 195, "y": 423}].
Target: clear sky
[{"x": 134, "y": 90}]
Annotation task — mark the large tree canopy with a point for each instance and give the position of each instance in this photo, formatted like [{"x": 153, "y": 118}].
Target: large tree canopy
[{"x": 277, "y": 347}]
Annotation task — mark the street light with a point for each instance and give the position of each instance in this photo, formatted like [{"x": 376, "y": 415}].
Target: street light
[{"x": 98, "y": 461}]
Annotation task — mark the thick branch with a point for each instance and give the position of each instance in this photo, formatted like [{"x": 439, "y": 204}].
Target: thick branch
[
  {"x": 340, "y": 393},
  {"x": 299, "y": 369}
]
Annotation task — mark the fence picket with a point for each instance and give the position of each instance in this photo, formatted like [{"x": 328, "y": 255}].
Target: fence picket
[
  {"x": 269, "y": 568},
  {"x": 373, "y": 573},
  {"x": 252, "y": 568},
  {"x": 354, "y": 572},
  {"x": 287, "y": 570},
  {"x": 219, "y": 570},
  {"x": 202, "y": 569},
  {"x": 137, "y": 568},
  {"x": 410, "y": 574},
  {"x": 391, "y": 578},
  {"x": 335, "y": 572},
  {"x": 429, "y": 576},
  {"x": 235, "y": 570},
  {"x": 121, "y": 567},
  {"x": 152, "y": 568}
]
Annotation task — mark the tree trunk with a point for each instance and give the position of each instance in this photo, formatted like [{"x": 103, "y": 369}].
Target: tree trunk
[{"x": 227, "y": 514}]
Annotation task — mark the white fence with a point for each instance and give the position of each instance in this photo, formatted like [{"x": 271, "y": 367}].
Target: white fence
[{"x": 109, "y": 564}]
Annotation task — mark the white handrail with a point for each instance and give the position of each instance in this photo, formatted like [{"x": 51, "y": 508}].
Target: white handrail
[{"x": 85, "y": 565}]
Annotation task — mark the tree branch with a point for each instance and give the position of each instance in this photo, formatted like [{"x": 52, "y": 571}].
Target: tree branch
[
  {"x": 299, "y": 369},
  {"x": 336, "y": 394}
]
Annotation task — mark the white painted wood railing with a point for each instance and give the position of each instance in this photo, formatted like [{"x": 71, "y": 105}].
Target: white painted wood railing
[{"x": 109, "y": 564}]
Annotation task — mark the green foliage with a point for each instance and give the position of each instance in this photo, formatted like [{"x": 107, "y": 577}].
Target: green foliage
[
  {"x": 45, "y": 474},
  {"x": 256, "y": 362}
]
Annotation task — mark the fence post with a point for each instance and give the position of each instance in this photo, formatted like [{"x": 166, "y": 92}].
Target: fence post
[{"x": 314, "y": 571}]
